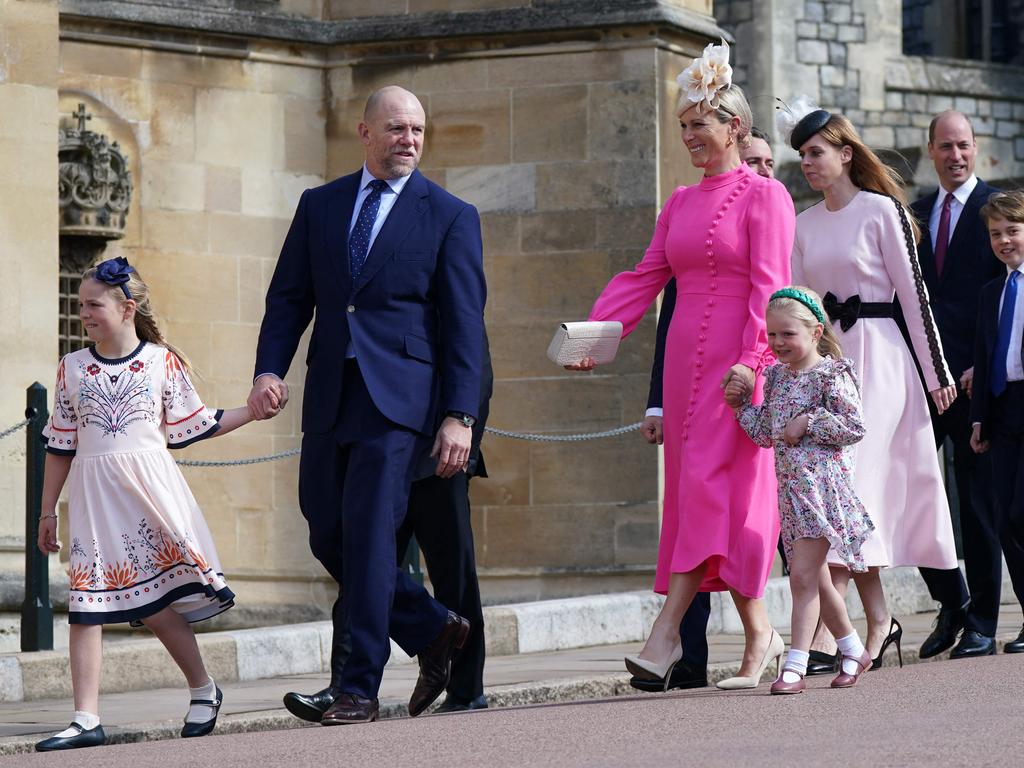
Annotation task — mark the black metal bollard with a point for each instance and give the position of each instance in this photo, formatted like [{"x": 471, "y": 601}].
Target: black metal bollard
[{"x": 36, "y": 612}]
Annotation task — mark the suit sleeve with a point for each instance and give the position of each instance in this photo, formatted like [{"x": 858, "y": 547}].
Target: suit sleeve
[
  {"x": 668, "y": 306},
  {"x": 290, "y": 300},
  {"x": 980, "y": 386},
  {"x": 462, "y": 293}
]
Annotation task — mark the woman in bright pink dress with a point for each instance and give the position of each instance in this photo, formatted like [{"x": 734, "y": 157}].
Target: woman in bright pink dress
[{"x": 727, "y": 241}]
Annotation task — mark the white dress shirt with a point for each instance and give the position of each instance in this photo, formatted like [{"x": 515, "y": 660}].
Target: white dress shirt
[
  {"x": 956, "y": 207},
  {"x": 1014, "y": 368}
]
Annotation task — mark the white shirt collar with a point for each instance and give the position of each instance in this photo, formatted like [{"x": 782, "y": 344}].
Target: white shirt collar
[
  {"x": 396, "y": 185},
  {"x": 961, "y": 193},
  {"x": 1018, "y": 269}
]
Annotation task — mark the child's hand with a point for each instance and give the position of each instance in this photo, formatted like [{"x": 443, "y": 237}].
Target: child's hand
[
  {"x": 736, "y": 391},
  {"x": 796, "y": 429},
  {"x": 47, "y": 540},
  {"x": 977, "y": 444}
]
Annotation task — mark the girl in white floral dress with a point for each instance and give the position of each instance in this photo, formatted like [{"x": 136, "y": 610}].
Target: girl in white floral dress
[
  {"x": 140, "y": 549},
  {"x": 811, "y": 417}
]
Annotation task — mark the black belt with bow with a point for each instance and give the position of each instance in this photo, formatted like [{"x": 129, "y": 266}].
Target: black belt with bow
[{"x": 850, "y": 311}]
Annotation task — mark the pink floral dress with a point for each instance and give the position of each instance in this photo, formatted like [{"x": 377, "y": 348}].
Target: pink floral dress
[
  {"x": 816, "y": 496},
  {"x": 139, "y": 542}
]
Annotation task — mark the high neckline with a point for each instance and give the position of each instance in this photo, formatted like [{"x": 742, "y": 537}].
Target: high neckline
[
  {"x": 729, "y": 177},
  {"x": 117, "y": 360}
]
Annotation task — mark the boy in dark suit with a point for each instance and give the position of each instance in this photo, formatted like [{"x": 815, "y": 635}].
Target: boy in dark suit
[{"x": 997, "y": 403}]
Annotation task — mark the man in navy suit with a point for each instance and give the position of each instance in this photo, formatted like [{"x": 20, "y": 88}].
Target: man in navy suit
[
  {"x": 391, "y": 266},
  {"x": 956, "y": 261}
]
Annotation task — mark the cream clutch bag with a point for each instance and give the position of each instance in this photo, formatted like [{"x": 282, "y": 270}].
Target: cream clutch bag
[{"x": 575, "y": 341}]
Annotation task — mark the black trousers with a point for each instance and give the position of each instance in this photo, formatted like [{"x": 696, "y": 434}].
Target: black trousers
[
  {"x": 1007, "y": 449},
  {"x": 980, "y": 536}
]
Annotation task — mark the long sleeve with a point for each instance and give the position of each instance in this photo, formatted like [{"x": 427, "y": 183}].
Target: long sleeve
[
  {"x": 904, "y": 271},
  {"x": 839, "y": 420},
  {"x": 756, "y": 420},
  {"x": 771, "y": 227},
  {"x": 668, "y": 305},
  {"x": 628, "y": 295}
]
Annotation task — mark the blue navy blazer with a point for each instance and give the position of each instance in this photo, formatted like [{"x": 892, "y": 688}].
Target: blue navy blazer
[
  {"x": 414, "y": 316},
  {"x": 984, "y": 348}
]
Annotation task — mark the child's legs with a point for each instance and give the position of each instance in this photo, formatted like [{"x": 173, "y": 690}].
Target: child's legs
[
  {"x": 805, "y": 568},
  {"x": 872, "y": 596},
  {"x": 823, "y": 640},
  {"x": 177, "y": 636},
  {"x": 85, "y": 646},
  {"x": 832, "y": 605}
]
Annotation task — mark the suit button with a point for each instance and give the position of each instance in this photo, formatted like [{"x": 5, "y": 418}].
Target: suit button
[{"x": 350, "y": 308}]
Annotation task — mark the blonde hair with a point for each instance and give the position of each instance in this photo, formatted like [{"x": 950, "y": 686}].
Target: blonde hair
[
  {"x": 732, "y": 102},
  {"x": 1005, "y": 205},
  {"x": 867, "y": 171},
  {"x": 145, "y": 319},
  {"x": 828, "y": 344}
]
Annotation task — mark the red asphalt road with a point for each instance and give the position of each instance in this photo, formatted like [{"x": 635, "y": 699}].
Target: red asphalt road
[{"x": 948, "y": 713}]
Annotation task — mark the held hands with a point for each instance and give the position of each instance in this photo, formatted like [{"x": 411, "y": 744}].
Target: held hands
[
  {"x": 796, "y": 429},
  {"x": 653, "y": 430},
  {"x": 967, "y": 381},
  {"x": 977, "y": 444},
  {"x": 47, "y": 541},
  {"x": 586, "y": 364},
  {"x": 268, "y": 397},
  {"x": 451, "y": 447},
  {"x": 738, "y": 384},
  {"x": 944, "y": 397}
]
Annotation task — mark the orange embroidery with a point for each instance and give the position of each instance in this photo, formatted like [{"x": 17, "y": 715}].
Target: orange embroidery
[
  {"x": 167, "y": 554},
  {"x": 198, "y": 559},
  {"x": 120, "y": 575},
  {"x": 80, "y": 576}
]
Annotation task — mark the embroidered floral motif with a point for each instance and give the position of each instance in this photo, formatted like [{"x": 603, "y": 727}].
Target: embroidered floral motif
[
  {"x": 120, "y": 575},
  {"x": 114, "y": 401},
  {"x": 136, "y": 366},
  {"x": 92, "y": 369}
]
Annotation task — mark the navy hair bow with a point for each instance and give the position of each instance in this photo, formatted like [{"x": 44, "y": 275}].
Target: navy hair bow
[{"x": 115, "y": 272}]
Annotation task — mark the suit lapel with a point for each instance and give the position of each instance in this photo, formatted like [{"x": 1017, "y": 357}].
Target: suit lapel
[
  {"x": 336, "y": 224},
  {"x": 959, "y": 247},
  {"x": 409, "y": 206}
]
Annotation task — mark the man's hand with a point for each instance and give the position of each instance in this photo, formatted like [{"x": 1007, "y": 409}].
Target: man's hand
[
  {"x": 967, "y": 381},
  {"x": 653, "y": 430},
  {"x": 451, "y": 447},
  {"x": 268, "y": 396},
  {"x": 977, "y": 444}
]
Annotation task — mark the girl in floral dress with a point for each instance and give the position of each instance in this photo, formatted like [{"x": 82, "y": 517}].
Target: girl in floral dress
[
  {"x": 140, "y": 549},
  {"x": 811, "y": 417}
]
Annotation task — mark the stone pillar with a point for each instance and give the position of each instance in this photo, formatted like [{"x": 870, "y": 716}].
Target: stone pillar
[{"x": 28, "y": 248}]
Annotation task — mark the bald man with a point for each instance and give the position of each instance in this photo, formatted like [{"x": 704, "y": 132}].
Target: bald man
[{"x": 391, "y": 266}]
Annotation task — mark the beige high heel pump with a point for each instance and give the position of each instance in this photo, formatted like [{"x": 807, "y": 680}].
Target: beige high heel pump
[{"x": 774, "y": 651}]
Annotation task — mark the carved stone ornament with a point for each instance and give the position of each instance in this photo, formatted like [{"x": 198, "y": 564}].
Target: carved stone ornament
[{"x": 95, "y": 186}]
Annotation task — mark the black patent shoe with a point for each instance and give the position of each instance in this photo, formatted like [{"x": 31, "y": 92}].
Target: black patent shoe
[
  {"x": 948, "y": 624},
  {"x": 684, "y": 676},
  {"x": 821, "y": 663},
  {"x": 457, "y": 704},
  {"x": 191, "y": 730},
  {"x": 310, "y": 706},
  {"x": 973, "y": 644},
  {"x": 94, "y": 737},
  {"x": 895, "y": 636},
  {"x": 1015, "y": 646}
]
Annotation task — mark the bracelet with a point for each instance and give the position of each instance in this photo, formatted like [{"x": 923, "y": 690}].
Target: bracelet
[{"x": 44, "y": 517}]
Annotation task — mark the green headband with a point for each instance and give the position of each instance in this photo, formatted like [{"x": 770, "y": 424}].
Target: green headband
[{"x": 803, "y": 298}]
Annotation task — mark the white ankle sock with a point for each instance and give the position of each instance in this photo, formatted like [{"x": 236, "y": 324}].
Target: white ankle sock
[
  {"x": 85, "y": 719},
  {"x": 852, "y": 649},
  {"x": 202, "y": 713},
  {"x": 795, "y": 666}
]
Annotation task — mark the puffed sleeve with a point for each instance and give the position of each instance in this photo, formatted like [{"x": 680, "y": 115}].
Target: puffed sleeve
[
  {"x": 838, "y": 421},
  {"x": 771, "y": 224},
  {"x": 629, "y": 294},
  {"x": 900, "y": 258},
  {"x": 61, "y": 431},
  {"x": 186, "y": 419},
  {"x": 756, "y": 420}
]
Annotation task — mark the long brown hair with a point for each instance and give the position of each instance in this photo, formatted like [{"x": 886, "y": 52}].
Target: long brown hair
[
  {"x": 828, "y": 344},
  {"x": 867, "y": 171},
  {"x": 146, "y": 327}
]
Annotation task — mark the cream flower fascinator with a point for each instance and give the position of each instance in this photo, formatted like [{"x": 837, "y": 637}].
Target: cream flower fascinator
[
  {"x": 707, "y": 76},
  {"x": 800, "y": 120}
]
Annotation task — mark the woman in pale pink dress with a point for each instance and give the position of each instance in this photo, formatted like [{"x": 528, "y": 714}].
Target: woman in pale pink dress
[{"x": 727, "y": 242}]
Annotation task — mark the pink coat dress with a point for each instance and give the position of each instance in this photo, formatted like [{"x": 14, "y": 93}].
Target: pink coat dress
[
  {"x": 861, "y": 250},
  {"x": 727, "y": 242}
]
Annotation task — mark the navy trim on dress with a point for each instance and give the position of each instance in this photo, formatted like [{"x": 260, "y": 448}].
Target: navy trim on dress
[
  {"x": 224, "y": 595},
  {"x": 197, "y": 438},
  {"x": 119, "y": 360},
  {"x": 61, "y": 451}
]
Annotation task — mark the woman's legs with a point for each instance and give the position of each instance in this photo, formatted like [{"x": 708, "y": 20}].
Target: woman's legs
[
  {"x": 869, "y": 585},
  {"x": 757, "y": 632},
  {"x": 177, "y": 636},
  {"x": 85, "y": 647},
  {"x": 664, "y": 635}
]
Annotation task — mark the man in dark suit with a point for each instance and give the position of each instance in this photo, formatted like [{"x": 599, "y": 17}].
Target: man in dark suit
[
  {"x": 956, "y": 261},
  {"x": 391, "y": 265}
]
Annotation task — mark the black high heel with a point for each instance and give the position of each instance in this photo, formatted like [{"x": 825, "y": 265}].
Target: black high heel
[{"x": 895, "y": 636}]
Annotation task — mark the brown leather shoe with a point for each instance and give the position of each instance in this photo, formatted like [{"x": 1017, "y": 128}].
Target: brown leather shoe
[
  {"x": 349, "y": 708},
  {"x": 436, "y": 663}
]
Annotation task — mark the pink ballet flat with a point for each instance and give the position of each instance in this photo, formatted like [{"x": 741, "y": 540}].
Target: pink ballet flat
[
  {"x": 844, "y": 680},
  {"x": 781, "y": 687}
]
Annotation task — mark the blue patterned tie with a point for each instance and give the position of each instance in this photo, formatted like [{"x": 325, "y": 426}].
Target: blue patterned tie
[
  {"x": 359, "y": 240},
  {"x": 1002, "y": 349}
]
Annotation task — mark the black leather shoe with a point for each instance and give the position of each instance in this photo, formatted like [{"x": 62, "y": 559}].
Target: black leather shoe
[
  {"x": 683, "y": 676},
  {"x": 821, "y": 663},
  {"x": 94, "y": 737},
  {"x": 436, "y": 663},
  {"x": 310, "y": 706},
  {"x": 191, "y": 730},
  {"x": 1015, "y": 646},
  {"x": 349, "y": 708},
  {"x": 948, "y": 624},
  {"x": 973, "y": 644},
  {"x": 457, "y": 704}
]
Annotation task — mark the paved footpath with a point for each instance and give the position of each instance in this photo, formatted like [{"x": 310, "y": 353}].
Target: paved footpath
[{"x": 574, "y": 675}]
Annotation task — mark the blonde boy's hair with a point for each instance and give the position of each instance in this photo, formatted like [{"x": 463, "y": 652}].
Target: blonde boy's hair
[{"x": 1004, "y": 205}]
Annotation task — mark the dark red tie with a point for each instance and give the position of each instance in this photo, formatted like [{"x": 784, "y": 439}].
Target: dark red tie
[{"x": 942, "y": 237}]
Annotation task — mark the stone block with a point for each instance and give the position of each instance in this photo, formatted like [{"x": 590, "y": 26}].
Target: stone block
[
  {"x": 562, "y": 286},
  {"x": 223, "y": 188},
  {"x": 966, "y": 104},
  {"x": 508, "y": 472},
  {"x": 189, "y": 69},
  {"x": 627, "y": 123},
  {"x": 849, "y": 33},
  {"x": 180, "y": 295},
  {"x": 174, "y": 230},
  {"x": 219, "y": 656},
  {"x": 453, "y": 6},
  {"x": 879, "y": 136},
  {"x": 1018, "y": 111},
  {"x": 812, "y": 52},
  {"x": 559, "y": 134},
  {"x": 558, "y": 404},
  {"x": 100, "y": 60},
  {"x": 11, "y": 688},
  {"x": 449, "y": 77},
  {"x": 234, "y": 351},
  {"x": 921, "y": 120},
  {"x": 234, "y": 233},
  {"x": 1002, "y": 110},
  {"x": 838, "y": 13},
  {"x": 44, "y": 675},
  {"x": 574, "y": 623},
  {"x": 501, "y": 631},
  {"x": 894, "y": 100},
  {"x": 137, "y": 665},
  {"x": 30, "y": 50},
  {"x": 910, "y": 137},
  {"x": 827, "y": 31},
  {"x": 627, "y": 228},
  {"x": 273, "y": 194},
  {"x": 895, "y": 118},
  {"x": 168, "y": 129},
  {"x": 470, "y": 128},
  {"x": 354, "y": 9},
  {"x": 636, "y": 534},
  {"x": 837, "y": 54},
  {"x": 276, "y": 652},
  {"x": 916, "y": 102},
  {"x": 305, "y": 139},
  {"x": 939, "y": 103},
  {"x": 500, "y": 233},
  {"x": 611, "y": 470},
  {"x": 173, "y": 186},
  {"x": 833, "y": 77},
  {"x": 495, "y": 188},
  {"x": 814, "y": 11},
  {"x": 304, "y": 82},
  {"x": 1007, "y": 129},
  {"x": 1018, "y": 148},
  {"x": 566, "y": 186},
  {"x": 807, "y": 29},
  {"x": 558, "y": 231},
  {"x": 579, "y": 536},
  {"x": 241, "y": 129},
  {"x": 559, "y": 68},
  {"x": 984, "y": 126}
]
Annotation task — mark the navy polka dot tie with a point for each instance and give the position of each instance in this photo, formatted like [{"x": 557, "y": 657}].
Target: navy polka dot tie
[{"x": 359, "y": 240}]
